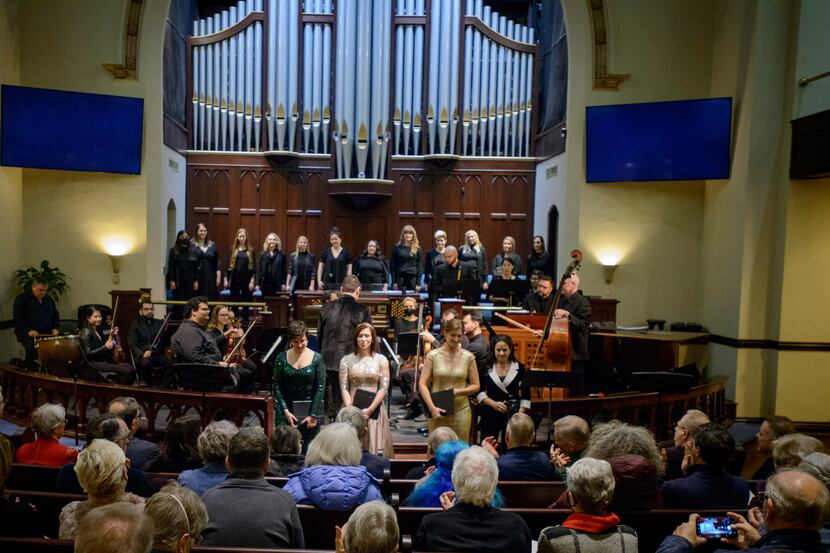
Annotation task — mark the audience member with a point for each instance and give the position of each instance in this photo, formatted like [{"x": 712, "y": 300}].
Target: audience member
[
  {"x": 213, "y": 446},
  {"x": 818, "y": 464},
  {"x": 16, "y": 519},
  {"x": 683, "y": 431},
  {"x": 102, "y": 472},
  {"x": 111, "y": 428},
  {"x": 139, "y": 451},
  {"x": 119, "y": 527},
  {"x": 49, "y": 423},
  {"x": 372, "y": 528},
  {"x": 522, "y": 461},
  {"x": 789, "y": 450},
  {"x": 245, "y": 510},
  {"x": 179, "y": 517},
  {"x": 771, "y": 429},
  {"x": 795, "y": 506},
  {"x": 437, "y": 437},
  {"x": 179, "y": 449},
  {"x": 286, "y": 448},
  {"x": 707, "y": 484},
  {"x": 470, "y": 523},
  {"x": 375, "y": 464},
  {"x": 591, "y": 527},
  {"x": 428, "y": 490},
  {"x": 570, "y": 437},
  {"x": 333, "y": 478}
]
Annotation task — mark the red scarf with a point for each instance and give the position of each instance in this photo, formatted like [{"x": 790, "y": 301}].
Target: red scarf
[{"x": 592, "y": 524}]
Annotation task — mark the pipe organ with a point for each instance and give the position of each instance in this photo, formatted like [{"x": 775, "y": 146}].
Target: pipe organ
[{"x": 362, "y": 79}]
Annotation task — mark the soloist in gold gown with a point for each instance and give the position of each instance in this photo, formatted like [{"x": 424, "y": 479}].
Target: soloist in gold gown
[{"x": 445, "y": 377}]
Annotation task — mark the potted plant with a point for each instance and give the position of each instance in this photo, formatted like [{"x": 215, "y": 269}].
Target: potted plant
[{"x": 52, "y": 275}]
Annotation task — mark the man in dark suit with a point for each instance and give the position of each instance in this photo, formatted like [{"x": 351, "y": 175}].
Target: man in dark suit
[
  {"x": 452, "y": 270},
  {"x": 540, "y": 299},
  {"x": 138, "y": 451},
  {"x": 335, "y": 332},
  {"x": 576, "y": 309}
]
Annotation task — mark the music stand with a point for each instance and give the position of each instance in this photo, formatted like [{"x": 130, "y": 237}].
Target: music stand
[
  {"x": 512, "y": 290},
  {"x": 467, "y": 289},
  {"x": 549, "y": 380}
]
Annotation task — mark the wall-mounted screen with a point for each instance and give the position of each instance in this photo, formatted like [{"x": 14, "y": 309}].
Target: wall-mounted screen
[
  {"x": 55, "y": 129},
  {"x": 659, "y": 141}
]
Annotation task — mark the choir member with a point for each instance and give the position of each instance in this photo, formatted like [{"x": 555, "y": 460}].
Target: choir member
[
  {"x": 301, "y": 267},
  {"x": 182, "y": 270},
  {"x": 241, "y": 275},
  {"x": 271, "y": 271},
  {"x": 371, "y": 268},
  {"x": 406, "y": 261},
  {"x": 335, "y": 263},
  {"x": 508, "y": 246},
  {"x": 435, "y": 256},
  {"x": 539, "y": 259},
  {"x": 473, "y": 253},
  {"x": 207, "y": 255}
]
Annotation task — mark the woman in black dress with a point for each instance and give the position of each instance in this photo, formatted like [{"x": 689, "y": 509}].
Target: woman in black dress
[
  {"x": 302, "y": 267},
  {"x": 406, "y": 261},
  {"x": 98, "y": 352},
  {"x": 335, "y": 263},
  {"x": 207, "y": 255},
  {"x": 504, "y": 391},
  {"x": 182, "y": 271},
  {"x": 473, "y": 253},
  {"x": 241, "y": 275},
  {"x": 435, "y": 256},
  {"x": 271, "y": 272},
  {"x": 539, "y": 259},
  {"x": 371, "y": 268}
]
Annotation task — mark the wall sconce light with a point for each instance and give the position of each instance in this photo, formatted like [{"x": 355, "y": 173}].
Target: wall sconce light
[
  {"x": 115, "y": 251},
  {"x": 609, "y": 272},
  {"x": 609, "y": 265}
]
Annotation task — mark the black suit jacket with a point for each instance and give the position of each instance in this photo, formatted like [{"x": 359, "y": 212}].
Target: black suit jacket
[
  {"x": 447, "y": 273},
  {"x": 475, "y": 529},
  {"x": 580, "y": 319},
  {"x": 140, "y": 452},
  {"x": 338, "y": 319}
]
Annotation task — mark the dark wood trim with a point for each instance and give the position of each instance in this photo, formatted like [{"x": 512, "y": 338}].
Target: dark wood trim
[
  {"x": 499, "y": 38},
  {"x": 322, "y": 18},
  {"x": 409, "y": 19},
  {"x": 227, "y": 33},
  {"x": 768, "y": 344}
]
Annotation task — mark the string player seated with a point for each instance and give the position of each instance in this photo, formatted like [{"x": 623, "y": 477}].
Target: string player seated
[
  {"x": 99, "y": 352},
  {"x": 147, "y": 343}
]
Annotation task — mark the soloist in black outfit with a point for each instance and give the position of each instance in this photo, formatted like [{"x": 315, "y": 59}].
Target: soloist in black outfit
[
  {"x": 406, "y": 267},
  {"x": 98, "y": 356},
  {"x": 512, "y": 389},
  {"x": 543, "y": 262},
  {"x": 580, "y": 318},
  {"x": 372, "y": 270},
  {"x": 303, "y": 267},
  {"x": 334, "y": 268},
  {"x": 240, "y": 273},
  {"x": 208, "y": 260},
  {"x": 143, "y": 332},
  {"x": 271, "y": 272},
  {"x": 183, "y": 270},
  {"x": 32, "y": 314}
]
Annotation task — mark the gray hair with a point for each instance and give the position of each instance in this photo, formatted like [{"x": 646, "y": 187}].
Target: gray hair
[
  {"x": 798, "y": 498},
  {"x": 100, "y": 468},
  {"x": 575, "y": 429},
  {"x": 591, "y": 482},
  {"x": 46, "y": 417},
  {"x": 817, "y": 464},
  {"x": 215, "y": 439},
  {"x": 439, "y": 436},
  {"x": 129, "y": 410},
  {"x": 353, "y": 416},
  {"x": 119, "y": 527},
  {"x": 474, "y": 476},
  {"x": 176, "y": 511},
  {"x": 789, "y": 450},
  {"x": 619, "y": 438},
  {"x": 372, "y": 528},
  {"x": 521, "y": 429},
  {"x": 692, "y": 420},
  {"x": 336, "y": 444}
]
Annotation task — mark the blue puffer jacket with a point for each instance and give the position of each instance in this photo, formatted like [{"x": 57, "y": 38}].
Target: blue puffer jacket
[{"x": 333, "y": 488}]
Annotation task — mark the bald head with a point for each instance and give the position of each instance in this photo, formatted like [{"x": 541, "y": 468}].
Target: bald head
[
  {"x": 795, "y": 499},
  {"x": 450, "y": 255},
  {"x": 687, "y": 425},
  {"x": 571, "y": 285},
  {"x": 571, "y": 434}
]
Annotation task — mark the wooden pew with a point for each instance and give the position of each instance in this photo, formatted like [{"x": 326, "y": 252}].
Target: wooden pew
[
  {"x": 29, "y": 545},
  {"x": 32, "y": 477},
  {"x": 48, "y": 506},
  {"x": 400, "y": 467},
  {"x": 517, "y": 494}
]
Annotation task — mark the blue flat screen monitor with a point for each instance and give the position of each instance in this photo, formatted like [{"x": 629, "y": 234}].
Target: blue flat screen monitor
[
  {"x": 659, "y": 141},
  {"x": 55, "y": 129}
]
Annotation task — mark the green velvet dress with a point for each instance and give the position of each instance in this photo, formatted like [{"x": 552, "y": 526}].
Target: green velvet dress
[{"x": 304, "y": 384}]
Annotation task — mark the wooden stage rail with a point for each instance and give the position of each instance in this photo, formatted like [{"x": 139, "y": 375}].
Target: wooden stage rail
[{"x": 24, "y": 390}]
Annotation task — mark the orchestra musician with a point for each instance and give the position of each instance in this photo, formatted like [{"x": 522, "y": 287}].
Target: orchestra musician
[
  {"x": 272, "y": 270},
  {"x": 371, "y": 268},
  {"x": 541, "y": 299},
  {"x": 451, "y": 270},
  {"x": 473, "y": 253},
  {"x": 406, "y": 261},
  {"x": 34, "y": 313},
  {"x": 98, "y": 352},
  {"x": 435, "y": 256},
  {"x": 207, "y": 255},
  {"x": 576, "y": 308},
  {"x": 182, "y": 270},
  {"x": 226, "y": 334},
  {"x": 146, "y": 342},
  {"x": 335, "y": 262},
  {"x": 508, "y": 245},
  {"x": 301, "y": 267}
]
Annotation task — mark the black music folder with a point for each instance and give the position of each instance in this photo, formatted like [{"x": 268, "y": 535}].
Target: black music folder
[
  {"x": 363, "y": 399},
  {"x": 445, "y": 399},
  {"x": 301, "y": 409}
]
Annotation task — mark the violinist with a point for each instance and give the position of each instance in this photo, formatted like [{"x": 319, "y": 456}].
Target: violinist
[
  {"x": 408, "y": 324},
  {"x": 227, "y": 334},
  {"x": 576, "y": 309},
  {"x": 99, "y": 352},
  {"x": 146, "y": 342}
]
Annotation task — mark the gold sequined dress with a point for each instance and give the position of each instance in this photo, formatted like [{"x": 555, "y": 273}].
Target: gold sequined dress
[
  {"x": 445, "y": 377},
  {"x": 370, "y": 373}
]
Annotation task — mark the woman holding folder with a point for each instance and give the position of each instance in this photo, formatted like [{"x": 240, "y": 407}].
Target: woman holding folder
[{"x": 452, "y": 368}]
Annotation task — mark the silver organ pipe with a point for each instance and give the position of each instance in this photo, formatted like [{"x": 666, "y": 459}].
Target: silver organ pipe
[
  {"x": 376, "y": 130},
  {"x": 326, "y": 86},
  {"x": 522, "y": 70},
  {"x": 233, "y": 17},
  {"x": 257, "y": 61},
  {"x": 455, "y": 45},
  {"x": 195, "y": 125},
  {"x": 469, "y": 62},
  {"x": 308, "y": 45},
  {"x": 514, "y": 105},
  {"x": 223, "y": 87},
  {"x": 339, "y": 87},
  {"x": 408, "y": 63},
  {"x": 270, "y": 104},
  {"x": 418, "y": 76},
  {"x": 293, "y": 67},
  {"x": 240, "y": 79},
  {"x": 217, "y": 78},
  {"x": 386, "y": 81},
  {"x": 434, "y": 51},
  {"x": 444, "y": 92},
  {"x": 528, "y": 94},
  {"x": 483, "y": 86},
  {"x": 208, "y": 87},
  {"x": 363, "y": 73},
  {"x": 399, "y": 55}
]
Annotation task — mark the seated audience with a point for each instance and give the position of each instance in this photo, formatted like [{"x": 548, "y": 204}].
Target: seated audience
[
  {"x": 470, "y": 523},
  {"x": 179, "y": 517},
  {"x": 570, "y": 437},
  {"x": 789, "y": 450},
  {"x": 372, "y": 528},
  {"x": 683, "y": 431},
  {"x": 16, "y": 519},
  {"x": 428, "y": 490},
  {"x": 245, "y": 510},
  {"x": 795, "y": 506},
  {"x": 213, "y": 445},
  {"x": 436, "y": 439},
  {"x": 591, "y": 527},
  {"x": 111, "y": 428},
  {"x": 818, "y": 464},
  {"x": 179, "y": 449},
  {"x": 771, "y": 429},
  {"x": 48, "y": 422},
  {"x": 707, "y": 484},
  {"x": 522, "y": 461},
  {"x": 286, "y": 447},
  {"x": 333, "y": 478},
  {"x": 375, "y": 464},
  {"x": 102, "y": 472},
  {"x": 119, "y": 527},
  {"x": 139, "y": 451}
]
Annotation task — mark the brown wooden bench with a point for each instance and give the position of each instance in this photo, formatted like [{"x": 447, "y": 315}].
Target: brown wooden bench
[
  {"x": 29, "y": 545},
  {"x": 32, "y": 477},
  {"x": 48, "y": 506},
  {"x": 518, "y": 494}
]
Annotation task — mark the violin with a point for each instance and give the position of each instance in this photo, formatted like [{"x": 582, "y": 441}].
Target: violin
[
  {"x": 117, "y": 354},
  {"x": 411, "y": 362},
  {"x": 235, "y": 351}
]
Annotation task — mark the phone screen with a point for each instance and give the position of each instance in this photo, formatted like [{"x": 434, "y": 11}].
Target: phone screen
[{"x": 716, "y": 527}]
